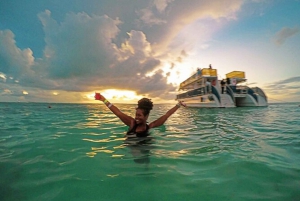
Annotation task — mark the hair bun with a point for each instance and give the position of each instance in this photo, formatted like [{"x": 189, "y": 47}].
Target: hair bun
[{"x": 145, "y": 103}]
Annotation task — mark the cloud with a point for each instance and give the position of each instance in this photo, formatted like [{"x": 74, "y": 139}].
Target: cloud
[
  {"x": 80, "y": 46},
  {"x": 285, "y": 33},
  {"x": 291, "y": 80},
  {"x": 148, "y": 17},
  {"x": 6, "y": 91},
  {"x": 13, "y": 61},
  {"x": 80, "y": 56},
  {"x": 3, "y": 77},
  {"x": 87, "y": 52},
  {"x": 161, "y": 4},
  {"x": 137, "y": 44},
  {"x": 153, "y": 15},
  {"x": 290, "y": 86},
  {"x": 163, "y": 28}
]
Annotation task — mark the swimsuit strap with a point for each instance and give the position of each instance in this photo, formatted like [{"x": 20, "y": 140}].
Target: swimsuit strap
[
  {"x": 132, "y": 130},
  {"x": 138, "y": 134}
]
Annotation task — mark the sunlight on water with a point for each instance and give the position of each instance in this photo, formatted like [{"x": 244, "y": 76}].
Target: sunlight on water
[{"x": 79, "y": 152}]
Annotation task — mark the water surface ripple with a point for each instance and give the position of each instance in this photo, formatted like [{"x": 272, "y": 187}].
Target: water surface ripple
[{"x": 78, "y": 152}]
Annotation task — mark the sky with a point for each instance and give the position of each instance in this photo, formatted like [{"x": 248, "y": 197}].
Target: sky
[{"x": 65, "y": 51}]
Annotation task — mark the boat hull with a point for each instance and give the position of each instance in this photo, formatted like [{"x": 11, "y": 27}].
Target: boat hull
[
  {"x": 204, "y": 90},
  {"x": 230, "y": 98},
  {"x": 208, "y": 101},
  {"x": 249, "y": 101}
]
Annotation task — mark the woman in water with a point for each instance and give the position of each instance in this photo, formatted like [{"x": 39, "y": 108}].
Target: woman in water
[{"x": 138, "y": 126}]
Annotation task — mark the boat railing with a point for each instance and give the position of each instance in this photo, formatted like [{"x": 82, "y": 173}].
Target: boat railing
[
  {"x": 236, "y": 74},
  {"x": 200, "y": 91},
  {"x": 195, "y": 92},
  {"x": 205, "y": 72},
  {"x": 188, "y": 81},
  {"x": 209, "y": 72},
  {"x": 239, "y": 89},
  {"x": 244, "y": 90}
]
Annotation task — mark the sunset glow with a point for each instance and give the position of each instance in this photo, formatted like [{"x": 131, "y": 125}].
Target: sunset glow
[{"x": 117, "y": 96}]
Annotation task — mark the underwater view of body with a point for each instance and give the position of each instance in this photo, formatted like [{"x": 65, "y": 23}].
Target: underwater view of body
[{"x": 79, "y": 152}]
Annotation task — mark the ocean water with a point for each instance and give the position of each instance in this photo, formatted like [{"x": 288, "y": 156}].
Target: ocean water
[{"x": 78, "y": 152}]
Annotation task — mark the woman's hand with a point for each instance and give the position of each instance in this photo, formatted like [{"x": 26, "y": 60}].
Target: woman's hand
[
  {"x": 182, "y": 103},
  {"x": 98, "y": 96}
]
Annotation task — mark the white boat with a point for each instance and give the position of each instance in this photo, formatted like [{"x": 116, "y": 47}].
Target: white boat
[{"x": 203, "y": 89}]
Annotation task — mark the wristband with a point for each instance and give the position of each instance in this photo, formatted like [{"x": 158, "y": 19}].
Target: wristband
[
  {"x": 178, "y": 104},
  {"x": 105, "y": 101},
  {"x": 110, "y": 105}
]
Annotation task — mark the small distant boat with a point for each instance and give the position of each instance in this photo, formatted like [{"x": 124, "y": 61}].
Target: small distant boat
[{"x": 204, "y": 89}]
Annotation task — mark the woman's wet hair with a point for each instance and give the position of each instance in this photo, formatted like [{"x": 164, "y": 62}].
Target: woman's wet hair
[{"x": 146, "y": 105}]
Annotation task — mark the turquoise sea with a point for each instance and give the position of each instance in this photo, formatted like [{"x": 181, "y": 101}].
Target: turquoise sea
[{"x": 78, "y": 152}]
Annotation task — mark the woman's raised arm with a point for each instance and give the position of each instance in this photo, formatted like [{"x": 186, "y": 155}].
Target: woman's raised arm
[
  {"x": 123, "y": 117},
  {"x": 161, "y": 120}
]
